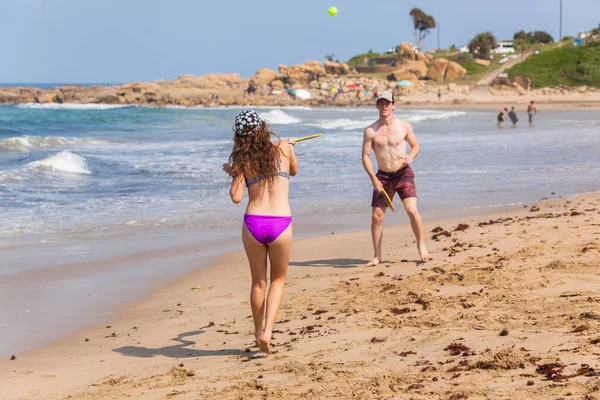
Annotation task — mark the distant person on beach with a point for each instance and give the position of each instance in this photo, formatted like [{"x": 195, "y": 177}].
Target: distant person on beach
[
  {"x": 513, "y": 117},
  {"x": 387, "y": 137},
  {"x": 439, "y": 95},
  {"x": 531, "y": 111},
  {"x": 265, "y": 169},
  {"x": 500, "y": 119}
]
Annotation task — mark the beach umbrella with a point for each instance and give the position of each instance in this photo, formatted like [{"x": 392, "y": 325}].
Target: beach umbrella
[
  {"x": 303, "y": 94},
  {"x": 333, "y": 90},
  {"x": 352, "y": 86},
  {"x": 404, "y": 83}
]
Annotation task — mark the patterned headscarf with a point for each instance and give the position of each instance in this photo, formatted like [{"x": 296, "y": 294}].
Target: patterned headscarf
[{"x": 247, "y": 119}]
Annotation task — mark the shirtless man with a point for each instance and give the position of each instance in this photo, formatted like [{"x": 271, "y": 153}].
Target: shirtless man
[
  {"x": 387, "y": 137},
  {"x": 531, "y": 111}
]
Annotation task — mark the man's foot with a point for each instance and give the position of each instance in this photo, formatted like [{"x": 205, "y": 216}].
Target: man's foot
[
  {"x": 424, "y": 254},
  {"x": 263, "y": 344},
  {"x": 375, "y": 261}
]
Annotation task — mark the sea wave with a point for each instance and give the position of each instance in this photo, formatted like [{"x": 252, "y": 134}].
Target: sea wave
[
  {"x": 343, "y": 124},
  {"x": 73, "y": 106},
  {"x": 64, "y": 161},
  {"x": 27, "y": 143},
  {"x": 278, "y": 117},
  {"x": 432, "y": 115}
]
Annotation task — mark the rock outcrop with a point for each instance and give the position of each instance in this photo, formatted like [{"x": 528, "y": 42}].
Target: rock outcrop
[
  {"x": 418, "y": 68},
  {"x": 302, "y": 73},
  {"x": 405, "y": 51},
  {"x": 444, "y": 70},
  {"x": 336, "y": 68},
  {"x": 263, "y": 76}
]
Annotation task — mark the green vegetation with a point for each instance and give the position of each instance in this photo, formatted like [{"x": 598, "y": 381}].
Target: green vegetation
[
  {"x": 534, "y": 37},
  {"x": 354, "y": 61},
  {"x": 467, "y": 60},
  {"x": 482, "y": 44},
  {"x": 568, "y": 66}
]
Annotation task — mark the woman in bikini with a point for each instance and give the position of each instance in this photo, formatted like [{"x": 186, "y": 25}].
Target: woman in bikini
[{"x": 265, "y": 169}]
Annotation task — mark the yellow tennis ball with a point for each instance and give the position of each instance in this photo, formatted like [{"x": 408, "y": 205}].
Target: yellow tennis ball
[{"x": 332, "y": 11}]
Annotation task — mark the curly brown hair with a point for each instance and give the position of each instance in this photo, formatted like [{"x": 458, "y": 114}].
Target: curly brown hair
[{"x": 254, "y": 155}]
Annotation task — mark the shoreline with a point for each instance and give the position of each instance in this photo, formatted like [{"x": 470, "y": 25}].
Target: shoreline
[
  {"x": 218, "y": 294},
  {"x": 491, "y": 104}
]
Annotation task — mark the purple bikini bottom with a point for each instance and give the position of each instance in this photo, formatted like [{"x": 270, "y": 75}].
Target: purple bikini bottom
[{"x": 266, "y": 228}]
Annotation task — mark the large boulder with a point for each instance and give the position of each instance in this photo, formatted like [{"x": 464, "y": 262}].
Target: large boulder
[
  {"x": 482, "y": 62},
  {"x": 277, "y": 85},
  {"x": 336, "y": 68},
  {"x": 302, "y": 73},
  {"x": 422, "y": 57},
  {"x": 525, "y": 83},
  {"x": 455, "y": 72},
  {"x": 50, "y": 96},
  {"x": 405, "y": 51},
  {"x": 444, "y": 70},
  {"x": 401, "y": 75},
  {"x": 263, "y": 76},
  {"x": 437, "y": 69},
  {"x": 419, "y": 68}
]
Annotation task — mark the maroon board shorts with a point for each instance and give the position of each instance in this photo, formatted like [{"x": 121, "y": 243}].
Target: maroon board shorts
[{"x": 401, "y": 181}]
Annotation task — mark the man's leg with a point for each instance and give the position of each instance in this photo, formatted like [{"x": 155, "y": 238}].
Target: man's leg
[
  {"x": 377, "y": 235},
  {"x": 410, "y": 205}
]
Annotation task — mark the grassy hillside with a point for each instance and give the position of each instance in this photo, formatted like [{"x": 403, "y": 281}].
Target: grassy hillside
[
  {"x": 354, "y": 61},
  {"x": 568, "y": 66}
]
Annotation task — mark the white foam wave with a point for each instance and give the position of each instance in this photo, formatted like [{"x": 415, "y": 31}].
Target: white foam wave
[
  {"x": 26, "y": 143},
  {"x": 278, "y": 117},
  {"x": 434, "y": 115},
  {"x": 62, "y": 162},
  {"x": 72, "y": 106},
  {"x": 343, "y": 124},
  {"x": 246, "y": 107}
]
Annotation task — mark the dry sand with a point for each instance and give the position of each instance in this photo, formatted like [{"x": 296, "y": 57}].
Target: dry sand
[
  {"x": 480, "y": 99},
  {"x": 502, "y": 299}
]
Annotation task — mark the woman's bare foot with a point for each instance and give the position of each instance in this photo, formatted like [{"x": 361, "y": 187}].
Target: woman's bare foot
[
  {"x": 375, "y": 261},
  {"x": 263, "y": 344},
  {"x": 424, "y": 254}
]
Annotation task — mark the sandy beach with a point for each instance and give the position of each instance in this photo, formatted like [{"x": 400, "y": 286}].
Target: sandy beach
[{"x": 508, "y": 308}]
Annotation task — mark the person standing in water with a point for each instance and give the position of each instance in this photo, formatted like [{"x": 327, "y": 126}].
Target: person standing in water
[
  {"x": 531, "y": 111},
  {"x": 387, "y": 137},
  {"x": 513, "y": 117},
  {"x": 265, "y": 169},
  {"x": 500, "y": 119}
]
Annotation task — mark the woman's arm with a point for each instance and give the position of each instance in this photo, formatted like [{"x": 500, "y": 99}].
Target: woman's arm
[
  {"x": 293, "y": 160},
  {"x": 236, "y": 192},
  {"x": 237, "y": 189}
]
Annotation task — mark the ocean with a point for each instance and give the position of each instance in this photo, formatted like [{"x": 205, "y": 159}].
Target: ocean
[{"x": 80, "y": 184}]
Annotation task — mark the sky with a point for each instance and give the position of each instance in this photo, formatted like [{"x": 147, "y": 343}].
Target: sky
[{"x": 119, "y": 41}]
